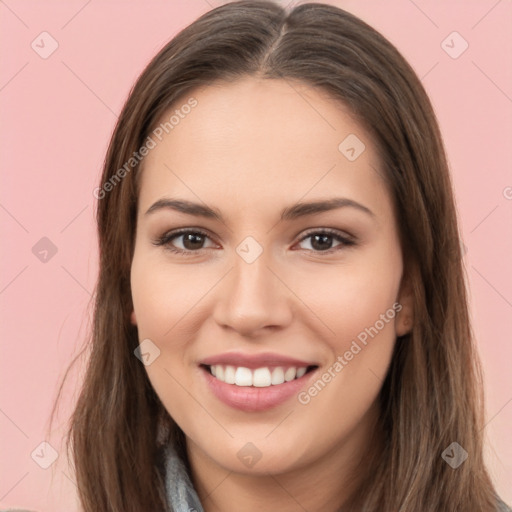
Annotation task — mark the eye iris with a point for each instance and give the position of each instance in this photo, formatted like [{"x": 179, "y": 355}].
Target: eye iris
[
  {"x": 192, "y": 241},
  {"x": 321, "y": 242}
]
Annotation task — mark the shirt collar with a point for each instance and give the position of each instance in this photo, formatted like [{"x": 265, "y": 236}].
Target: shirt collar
[{"x": 180, "y": 492}]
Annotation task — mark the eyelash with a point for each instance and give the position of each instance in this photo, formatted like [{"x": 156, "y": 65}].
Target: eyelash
[{"x": 168, "y": 237}]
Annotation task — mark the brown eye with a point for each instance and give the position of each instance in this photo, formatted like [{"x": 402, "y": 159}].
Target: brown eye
[
  {"x": 192, "y": 241},
  {"x": 184, "y": 241},
  {"x": 322, "y": 241}
]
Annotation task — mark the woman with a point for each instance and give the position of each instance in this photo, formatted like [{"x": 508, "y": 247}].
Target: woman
[{"x": 281, "y": 318}]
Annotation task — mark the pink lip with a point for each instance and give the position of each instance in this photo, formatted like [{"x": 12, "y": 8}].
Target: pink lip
[
  {"x": 253, "y": 399},
  {"x": 253, "y": 361}
]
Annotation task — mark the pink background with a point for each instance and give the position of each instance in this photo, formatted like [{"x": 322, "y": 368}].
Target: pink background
[{"x": 58, "y": 114}]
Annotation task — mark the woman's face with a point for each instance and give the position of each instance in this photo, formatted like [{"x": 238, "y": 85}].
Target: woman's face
[{"x": 295, "y": 309}]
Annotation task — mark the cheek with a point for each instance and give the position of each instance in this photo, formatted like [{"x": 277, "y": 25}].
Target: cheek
[
  {"x": 352, "y": 298},
  {"x": 169, "y": 306},
  {"x": 163, "y": 302},
  {"x": 163, "y": 296},
  {"x": 358, "y": 304},
  {"x": 361, "y": 348}
]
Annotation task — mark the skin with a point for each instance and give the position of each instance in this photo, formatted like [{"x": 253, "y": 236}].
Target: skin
[{"x": 251, "y": 148}]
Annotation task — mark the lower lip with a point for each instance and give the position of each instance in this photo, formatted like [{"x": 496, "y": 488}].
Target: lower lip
[{"x": 252, "y": 399}]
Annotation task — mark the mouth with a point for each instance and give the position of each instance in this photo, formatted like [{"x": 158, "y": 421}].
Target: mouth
[
  {"x": 263, "y": 377},
  {"x": 260, "y": 385}
]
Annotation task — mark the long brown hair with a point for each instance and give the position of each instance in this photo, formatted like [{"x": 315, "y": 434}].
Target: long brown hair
[{"x": 431, "y": 396}]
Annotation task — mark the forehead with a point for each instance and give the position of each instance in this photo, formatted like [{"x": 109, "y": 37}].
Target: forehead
[{"x": 260, "y": 140}]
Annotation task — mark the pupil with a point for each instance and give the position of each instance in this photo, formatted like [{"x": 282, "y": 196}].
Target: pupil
[
  {"x": 325, "y": 240},
  {"x": 193, "y": 241}
]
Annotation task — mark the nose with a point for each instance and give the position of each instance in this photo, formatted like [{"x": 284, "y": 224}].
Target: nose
[{"x": 253, "y": 298}]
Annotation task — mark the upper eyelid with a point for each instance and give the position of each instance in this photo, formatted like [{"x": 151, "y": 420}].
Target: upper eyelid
[{"x": 329, "y": 231}]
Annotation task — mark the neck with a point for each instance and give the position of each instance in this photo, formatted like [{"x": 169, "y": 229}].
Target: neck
[{"x": 324, "y": 484}]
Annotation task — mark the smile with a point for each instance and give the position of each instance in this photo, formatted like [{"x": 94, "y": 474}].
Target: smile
[
  {"x": 256, "y": 389},
  {"x": 259, "y": 377}
]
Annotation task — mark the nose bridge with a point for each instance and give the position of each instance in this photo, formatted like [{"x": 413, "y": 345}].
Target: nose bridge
[{"x": 252, "y": 297}]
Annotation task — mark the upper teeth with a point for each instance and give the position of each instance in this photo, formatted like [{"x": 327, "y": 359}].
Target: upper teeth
[{"x": 260, "y": 378}]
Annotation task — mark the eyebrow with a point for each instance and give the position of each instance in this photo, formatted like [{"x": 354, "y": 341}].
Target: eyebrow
[{"x": 289, "y": 213}]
